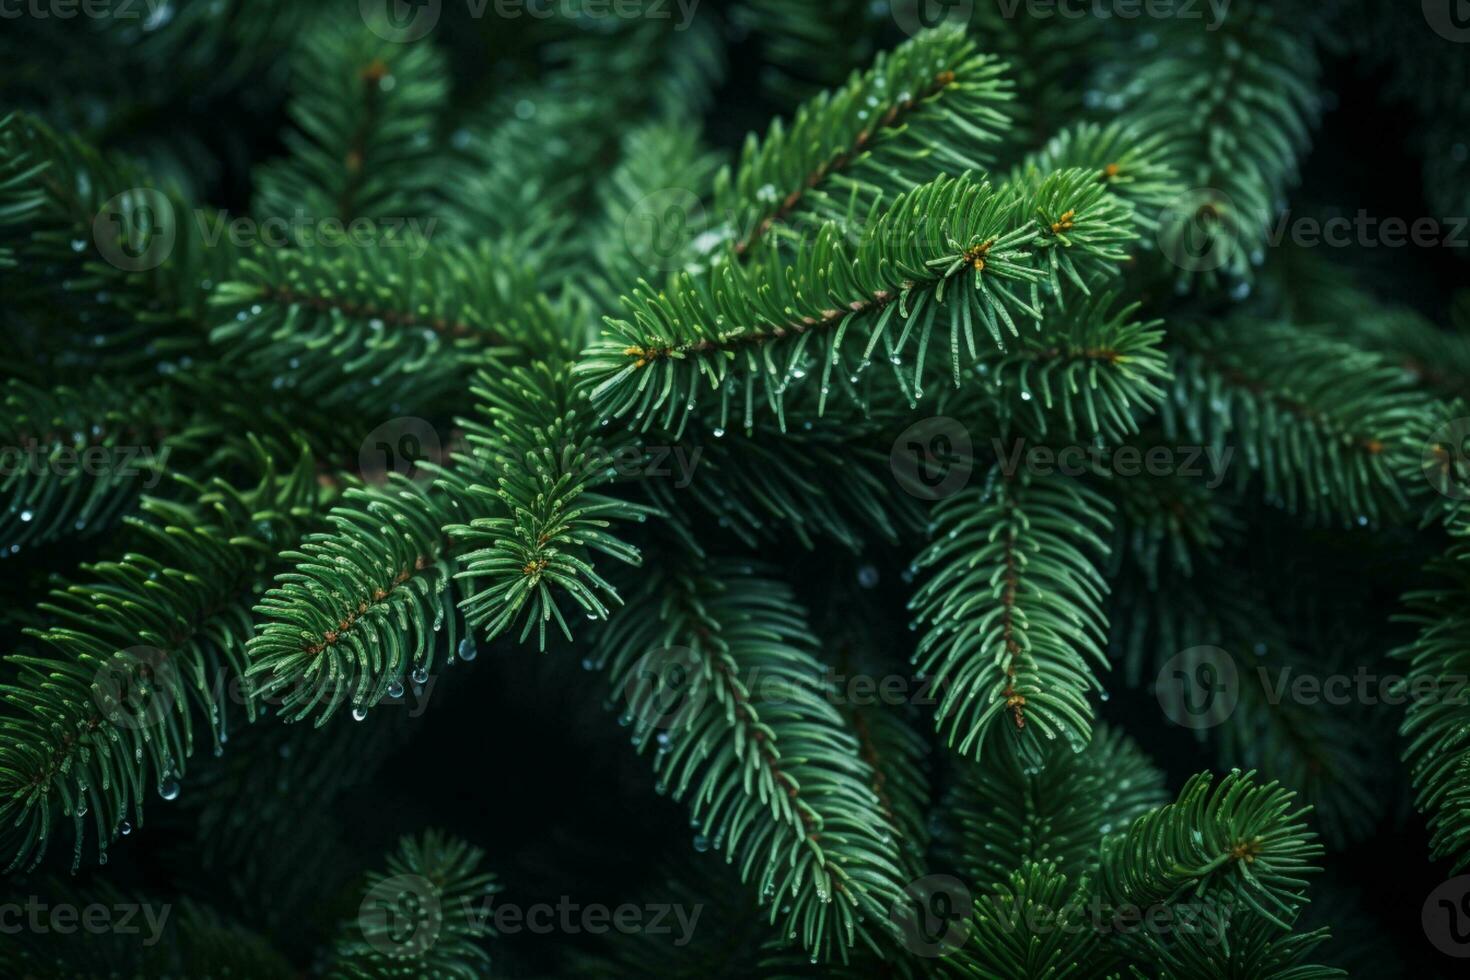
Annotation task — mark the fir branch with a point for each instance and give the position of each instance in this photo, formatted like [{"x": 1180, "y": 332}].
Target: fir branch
[
  {"x": 1092, "y": 371},
  {"x": 75, "y": 460},
  {"x": 435, "y": 881},
  {"x": 533, "y": 522},
  {"x": 397, "y": 322},
  {"x": 365, "y": 604},
  {"x": 765, "y": 485},
  {"x": 1131, "y": 162},
  {"x": 1251, "y": 947},
  {"x": 932, "y": 106},
  {"x": 153, "y": 638},
  {"x": 771, "y": 771},
  {"x": 751, "y": 331},
  {"x": 1235, "y": 102},
  {"x": 1011, "y": 813},
  {"x": 364, "y": 111},
  {"x": 663, "y": 166},
  {"x": 1331, "y": 429},
  {"x": 1033, "y": 923},
  {"x": 1437, "y": 748},
  {"x": 128, "y": 270},
  {"x": 1238, "y": 843},
  {"x": 1168, "y": 525},
  {"x": 1013, "y": 612}
]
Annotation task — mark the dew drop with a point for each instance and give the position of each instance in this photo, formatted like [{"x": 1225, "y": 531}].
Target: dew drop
[
  {"x": 169, "y": 789},
  {"x": 467, "y": 649},
  {"x": 395, "y": 689}
]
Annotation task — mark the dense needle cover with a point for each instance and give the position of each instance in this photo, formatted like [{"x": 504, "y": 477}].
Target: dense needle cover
[{"x": 678, "y": 488}]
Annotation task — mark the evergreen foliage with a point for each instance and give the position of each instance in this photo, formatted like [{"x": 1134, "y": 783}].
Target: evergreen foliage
[{"x": 799, "y": 371}]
